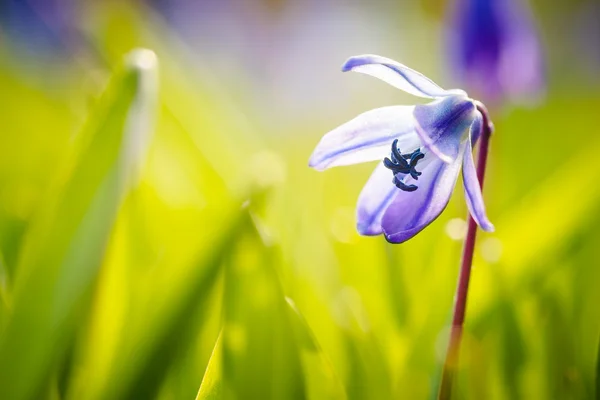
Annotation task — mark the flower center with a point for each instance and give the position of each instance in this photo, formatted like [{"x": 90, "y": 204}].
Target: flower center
[{"x": 402, "y": 165}]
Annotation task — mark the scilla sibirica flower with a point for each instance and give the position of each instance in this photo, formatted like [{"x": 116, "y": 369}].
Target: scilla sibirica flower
[{"x": 420, "y": 148}]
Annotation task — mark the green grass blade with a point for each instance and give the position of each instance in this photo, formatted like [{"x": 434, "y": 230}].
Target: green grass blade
[
  {"x": 176, "y": 332},
  {"x": 65, "y": 247},
  {"x": 321, "y": 380},
  {"x": 582, "y": 171},
  {"x": 211, "y": 387},
  {"x": 260, "y": 355},
  {"x": 598, "y": 373},
  {"x": 3, "y": 294}
]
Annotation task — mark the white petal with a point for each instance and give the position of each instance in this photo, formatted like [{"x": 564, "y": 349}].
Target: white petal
[
  {"x": 397, "y": 75},
  {"x": 367, "y": 137}
]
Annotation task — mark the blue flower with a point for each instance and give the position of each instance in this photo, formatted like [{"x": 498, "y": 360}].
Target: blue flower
[
  {"x": 420, "y": 148},
  {"x": 495, "y": 50}
]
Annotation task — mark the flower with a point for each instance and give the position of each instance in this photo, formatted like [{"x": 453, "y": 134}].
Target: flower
[
  {"x": 494, "y": 48},
  {"x": 421, "y": 147}
]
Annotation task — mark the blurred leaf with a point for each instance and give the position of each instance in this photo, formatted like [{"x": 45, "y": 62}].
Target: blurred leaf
[
  {"x": 260, "y": 356},
  {"x": 514, "y": 354},
  {"x": 526, "y": 244},
  {"x": 247, "y": 340},
  {"x": 3, "y": 294},
  {"x": 36, "y": 130},
  {"x": 321, "y": 381},
  {"x": 176, "y": 331},
  {"x": 368, "y": 374},
  {"x": 561, "y": 366},
  {"x": 598, "y": 372},
  {"x": 397, "y": 287},
  {"x": 65, "y": 247},
  {"x": 196, "y": 96},
  {"x": 567, "y": 209},
  {"x": 211, "y": 387}
]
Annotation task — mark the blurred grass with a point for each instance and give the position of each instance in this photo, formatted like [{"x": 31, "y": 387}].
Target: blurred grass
[
  {"x": 65, "y": 247},
  {"x": 144, "y": 218}
]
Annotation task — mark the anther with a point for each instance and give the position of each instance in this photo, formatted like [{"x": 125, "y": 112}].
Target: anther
[
  {"x": 404, "y": 164},
  {"x": 403, "y": 186}
]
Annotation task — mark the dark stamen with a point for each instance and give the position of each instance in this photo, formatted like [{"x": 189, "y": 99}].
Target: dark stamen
[
  {"x": 396, "y": 169},
  {"x": 414, "y": 159},
  {"x": 403, "y": 186},
  {"x": 396, "y": 153},
  {"x": 404, "y": 164}
]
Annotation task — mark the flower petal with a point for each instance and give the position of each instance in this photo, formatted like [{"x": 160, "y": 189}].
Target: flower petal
[
  {"x": 367, "y": 137},
  {"x": 473, "y": 194},
  {"x": 443, "y": 123},
  {"x": 376, "y": 196},
  {"x": 410, "y": 212},
  {"x": 397, "y": 75}
]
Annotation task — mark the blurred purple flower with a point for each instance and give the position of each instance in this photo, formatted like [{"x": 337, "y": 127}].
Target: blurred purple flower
[
  {"x": 495, "y": 50},
  {"x": 39, "y": 27},
  {"x": 435, "y": 139}
]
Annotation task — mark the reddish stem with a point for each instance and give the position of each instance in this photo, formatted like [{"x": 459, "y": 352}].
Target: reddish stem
[{"x": 462, "y": 289}]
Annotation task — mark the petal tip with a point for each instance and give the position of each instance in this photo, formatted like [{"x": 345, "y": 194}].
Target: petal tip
[
  {"x": 395, "y": 239},
  {"x": 346, "y": 66},
  {"x": 357, "y": 61},
  {"x": 368, "y": 230},
  {"x": 349, "y": 64},
  {"x": 367, "y": 226},
  {"x": 402, "y": 236},
  {"x": 316, "y": 162},
  {"x": 488, "y": 227}
]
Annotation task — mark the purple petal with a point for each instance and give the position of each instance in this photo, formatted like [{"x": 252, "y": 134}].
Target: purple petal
[
  {"x": 473, "y": 194},
  {"x": 410, "y": 212},
  {"x": 443, "y": 123},
  {"x": 376, "y": 196},
  {"x": 367, "y": 137},
  {"x": 397, "y": 75}
]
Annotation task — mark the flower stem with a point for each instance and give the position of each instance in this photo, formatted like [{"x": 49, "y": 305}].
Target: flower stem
[{"x": 460, "y": 305}]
